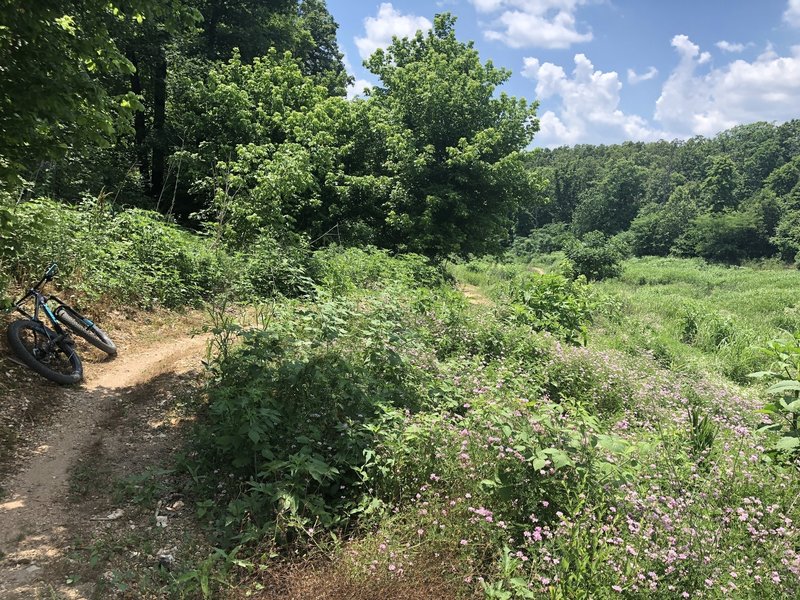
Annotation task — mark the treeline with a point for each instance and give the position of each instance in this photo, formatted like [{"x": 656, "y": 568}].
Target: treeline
[
  {"x": 730, "y": 198},
  {"x": 230, "y": 116}
]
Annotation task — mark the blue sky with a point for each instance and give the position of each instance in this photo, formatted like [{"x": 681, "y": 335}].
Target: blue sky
[{"x": 605, "y": 71}]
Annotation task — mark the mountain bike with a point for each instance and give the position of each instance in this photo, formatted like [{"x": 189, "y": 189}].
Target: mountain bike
[{"x": 51, "y": 351}]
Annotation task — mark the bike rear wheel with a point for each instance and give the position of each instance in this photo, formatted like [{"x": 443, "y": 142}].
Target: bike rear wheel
[
  {"x": 33, "y": 343},
  {"x": 88, "y": 331}
]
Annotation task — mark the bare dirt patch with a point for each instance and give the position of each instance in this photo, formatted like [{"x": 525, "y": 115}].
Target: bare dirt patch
[
  {"x": 475, "y": 295},
  {"x": 72, "y": 446}
]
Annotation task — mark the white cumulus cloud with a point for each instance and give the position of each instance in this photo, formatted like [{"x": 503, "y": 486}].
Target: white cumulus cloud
[
  {"x": 533, "y": 23},
  {"x": 634, "y": 77},
  {"x": 358, "y": 86},
  {"x": 389, "y": 22},
  {"x": 792, "y": 13},
  {"x": 589, "y": 105},
  {"x": 694, "y": 102},
  {"x": 730, "y": 47}
]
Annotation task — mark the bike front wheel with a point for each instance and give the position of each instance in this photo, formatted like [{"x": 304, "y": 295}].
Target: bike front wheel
[
  {"x": 86, "y": 329},
  {"x": 33, "y": 343}
]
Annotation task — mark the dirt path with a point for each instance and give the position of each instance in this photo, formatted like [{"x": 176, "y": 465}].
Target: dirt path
[
  {"x": 36, "y": 521},
  {"x": 475, "y": 295}
]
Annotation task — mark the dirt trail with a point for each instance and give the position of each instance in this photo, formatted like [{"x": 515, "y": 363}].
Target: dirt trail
[
  {"x": 475, "y": 295},
  {"x": 34, "y": 517}
]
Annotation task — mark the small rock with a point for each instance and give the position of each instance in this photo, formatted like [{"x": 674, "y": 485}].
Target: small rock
[
  {"x": 33, "y": 569},
  {"x": 167, "y": 561},
  {"x": 178, "y": 505},
  {"x": 161, "y": 521},
  {"x": 115, "y": 515}
]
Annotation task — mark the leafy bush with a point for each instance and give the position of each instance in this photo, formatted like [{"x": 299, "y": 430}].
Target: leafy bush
[
  {"x": 345, "y": 270},
  {"x": 544, "y": 240},
  {"x": 551, "y": 303},
  {"x": 724, "y": 237},
  {"x": 784, "y": 410},
  {"x": 300, "y": 401},
  {"x": 131, "y": 256},
  {"x": 275, "y": 268},
  {"x": 595, "y": 256}
]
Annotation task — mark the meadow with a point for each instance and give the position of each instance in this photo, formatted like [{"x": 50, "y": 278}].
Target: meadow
[{"x": 533, "y": 446}]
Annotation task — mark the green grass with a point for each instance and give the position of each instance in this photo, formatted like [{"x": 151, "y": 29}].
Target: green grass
[{"x": 700, "y": 317}]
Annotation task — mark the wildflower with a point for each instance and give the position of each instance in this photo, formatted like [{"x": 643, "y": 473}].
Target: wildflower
[{"x": 464, "y": 542}]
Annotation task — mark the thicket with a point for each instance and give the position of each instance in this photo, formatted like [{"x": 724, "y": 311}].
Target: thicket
[{"x": 113, "y": 257}]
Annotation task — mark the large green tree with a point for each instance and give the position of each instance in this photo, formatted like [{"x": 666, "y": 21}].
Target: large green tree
[
  {"x": 453, "y": 145},
  {"x": 612, "y": 204},
  {"x": 54, "y": 58}
]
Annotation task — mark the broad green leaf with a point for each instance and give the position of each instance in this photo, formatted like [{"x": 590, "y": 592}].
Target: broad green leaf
[
  {"x": 788, "y": 385},
  {"x": 787, "y": 443}
]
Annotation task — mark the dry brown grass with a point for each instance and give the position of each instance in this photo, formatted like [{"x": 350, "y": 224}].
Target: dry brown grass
[{"x": 347, "y": 576}]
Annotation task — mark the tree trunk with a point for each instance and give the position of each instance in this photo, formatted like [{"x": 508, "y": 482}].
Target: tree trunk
[
  {"x": 139, "y": 126},
  {"x": 159, "y": 119}
]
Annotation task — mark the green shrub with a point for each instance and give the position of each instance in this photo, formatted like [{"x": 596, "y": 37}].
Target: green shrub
[
  {"x": 595, "y": 256},
  {"x": 128, "y": 256},
  {"x": 551, "y": 303},
  {"x": 344, "y": 270},
  {"x": 549, "y": 238},
  {"x": 731, "y": 237},
  {"x": 274, "y": 268}
]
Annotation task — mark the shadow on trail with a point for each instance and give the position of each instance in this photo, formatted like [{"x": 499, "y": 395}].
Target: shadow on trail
[{"x": 97, "y": 438}]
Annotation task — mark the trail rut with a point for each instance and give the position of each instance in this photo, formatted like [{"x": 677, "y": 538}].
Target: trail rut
[{"x": 34, "y": 517}]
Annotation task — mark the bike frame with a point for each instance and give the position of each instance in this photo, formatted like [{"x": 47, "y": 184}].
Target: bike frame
[{"x": 40, "y": 303}]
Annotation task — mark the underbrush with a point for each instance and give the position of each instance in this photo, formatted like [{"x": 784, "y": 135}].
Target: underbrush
[
  {"x": 109, "y": 256},
  {"x": 388, "y": 424}
]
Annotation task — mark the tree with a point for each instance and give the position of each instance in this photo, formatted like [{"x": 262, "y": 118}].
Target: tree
[
  {"x": 251, "y": 26},
  {"x": 785, "y": 178},
  {"x": 259, "y": 142},
  {"x": 54, "y": 54},
  {"x": 611, "y": 205},
  {"x": 721, "y": 184},
  {"x": 148, "y": 47},
  {"x": 787, "y": 231},
  {"x": 453, "y": 150},
  {"x": 656, "y": 228},
  {"x": 322, "y": 59},
  {"x": 729, "y": 236}
]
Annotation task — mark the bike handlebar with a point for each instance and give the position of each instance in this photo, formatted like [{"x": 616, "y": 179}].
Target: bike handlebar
[{"x": 48, "y": 275}]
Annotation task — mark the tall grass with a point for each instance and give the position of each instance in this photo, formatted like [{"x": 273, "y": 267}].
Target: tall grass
[{"x": 692, "y": 315}]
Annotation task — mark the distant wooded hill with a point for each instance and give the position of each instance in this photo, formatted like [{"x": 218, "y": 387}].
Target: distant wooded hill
[{"x": 730, "y": 198}]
